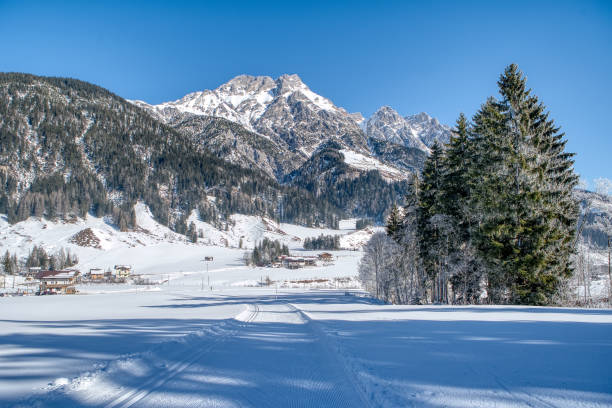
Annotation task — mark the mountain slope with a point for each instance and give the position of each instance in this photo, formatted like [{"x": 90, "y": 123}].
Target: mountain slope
[
  {"x": 359, "y": 184},
  {"x": 284, "y": 110},
  {"x": 232, "y": 142},
  {"x": 428, "y": 129},
  {"x": 68, "y": 148},
  {"x": 386, "y": 124}
]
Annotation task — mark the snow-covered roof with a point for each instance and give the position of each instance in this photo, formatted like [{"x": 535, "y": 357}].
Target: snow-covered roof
[{"x": 65, "y": 274}]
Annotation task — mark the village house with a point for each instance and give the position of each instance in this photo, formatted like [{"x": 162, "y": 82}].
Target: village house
[
  {"x": 123, "y": 271},
  {"x": 296, "y": 262},
  {"x": 57, "y": 281},
  {"x": 96, "y": 274},
  {"x": 32, "y": 272},
  {"x": 326, "y": 257}
]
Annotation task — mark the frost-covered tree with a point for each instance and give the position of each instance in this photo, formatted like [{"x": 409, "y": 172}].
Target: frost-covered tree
[
  {"x": 394, "y": 223},
  {"x": 415, "y": 277},
  {"x": 456, "y": 187},
  {"x": 433, "y": 225},
  {"x": 377, "y": 265},
  {"x": 523, "y": 197},
  {"x": 603, "y": 186},
  {"x": 9, "y": 263}
]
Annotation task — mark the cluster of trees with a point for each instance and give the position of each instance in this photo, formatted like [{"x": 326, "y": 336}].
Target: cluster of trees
[
  {"x": 327, "y": 242},
  {"x": 491, "y": 218},
  {"x": 266, "y": 252},
  {"x": 63, "y": 258},
  {"x": 38, "y": 257},
  {"x": 9, "y": 263}
]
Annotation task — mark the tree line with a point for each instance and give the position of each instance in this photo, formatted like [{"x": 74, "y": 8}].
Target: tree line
[
  {"x": 38, "y": 257},
  {"x": 327, "y": 242},
  {"x": 491, "y": 218},
  {"x": 266, "y": 252}
]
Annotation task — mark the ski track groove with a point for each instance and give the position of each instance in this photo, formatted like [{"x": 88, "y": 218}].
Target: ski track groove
[
  {"x": 132, "y": 397},
  {"x": 350, "y": 377}
]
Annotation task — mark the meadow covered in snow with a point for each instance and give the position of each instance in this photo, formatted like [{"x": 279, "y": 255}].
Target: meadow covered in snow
[
  {"x": 309, "y": 338},
  {"x": 180, "y": 346}
]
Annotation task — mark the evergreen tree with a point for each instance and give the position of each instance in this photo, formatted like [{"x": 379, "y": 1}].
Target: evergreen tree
[
  {"x": 456, "y": 188},
  {"x": 523, "y": 195},
  {"x": 9, "y": 263},
  {"x": 432, "y": 223},
  {"x": 394, "y": 223}
]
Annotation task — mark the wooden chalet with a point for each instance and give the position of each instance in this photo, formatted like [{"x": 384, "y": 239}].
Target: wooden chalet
[
  {"x": 326, "y": 257},
  {"x": 96, "y": 274},
  {"x": 58, "y": 281},
  {"x": 32, "y": 272}
]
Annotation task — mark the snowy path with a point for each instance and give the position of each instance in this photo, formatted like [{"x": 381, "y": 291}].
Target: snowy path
[{"x": 275, "y": 359}]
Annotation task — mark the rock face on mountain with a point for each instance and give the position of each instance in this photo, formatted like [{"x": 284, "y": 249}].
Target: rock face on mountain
[
  {"x": 429, "y": 129},
  {"x": 232, "y": 142},
  {"x": 386, "y": 124},
  {"x": 277, "y": 125},
  {"x": 417, "y": 131},
  {"x": 284, "y": 110}
]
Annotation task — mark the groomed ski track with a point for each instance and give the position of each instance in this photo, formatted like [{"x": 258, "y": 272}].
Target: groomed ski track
[
  {"x": 325, "y": 349},
  {"x": 293, "y": 368},
  {"x": 270, "y": 355}
]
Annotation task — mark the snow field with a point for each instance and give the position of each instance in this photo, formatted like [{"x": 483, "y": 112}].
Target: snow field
[
  {"x": 436, "y": 356},
  {"x": 362, "y": 162},
  {"x": 319, "y": 348}
]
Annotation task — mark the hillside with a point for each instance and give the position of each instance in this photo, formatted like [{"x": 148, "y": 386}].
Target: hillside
[{"x": 69, "y": 148}]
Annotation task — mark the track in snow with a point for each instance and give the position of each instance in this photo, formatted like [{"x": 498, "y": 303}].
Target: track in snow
[
  {"x": 158, "y": 381},
  {"x": 277, "y": 359}
]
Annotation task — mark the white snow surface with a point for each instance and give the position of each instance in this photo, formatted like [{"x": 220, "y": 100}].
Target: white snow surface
[
  {"x": 256, "y": 347},
  {"x": 215, "y": 336},
  {"x": 243, "y": 99},
  {"x": 153, "y": 249},
  {"x": 362, "y": 162}
]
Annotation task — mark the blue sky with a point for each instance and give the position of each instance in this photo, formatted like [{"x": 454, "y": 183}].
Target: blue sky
[{"x": 442, "y": 57}]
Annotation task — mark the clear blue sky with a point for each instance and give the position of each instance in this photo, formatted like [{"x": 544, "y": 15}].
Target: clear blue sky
[{"x": 442, "y": 57}]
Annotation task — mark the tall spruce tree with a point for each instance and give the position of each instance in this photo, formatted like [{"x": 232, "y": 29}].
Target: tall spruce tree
[
  {"x": 410, "y": 244},
  {"x": 394, "y": 223},
  {"x": 432, "y": 239},
  {"x": 456, "y": 187},
  {"x": 523, "y": 195}
]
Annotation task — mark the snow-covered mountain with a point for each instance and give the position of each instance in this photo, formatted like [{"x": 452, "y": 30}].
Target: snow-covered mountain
[
  {"x": 387, "y": 124},
  {"x": 285, "y": 110},
  {"x": 416, "y": 131},
  {"x": 295, "y": 121},
  {"x": 428, "y": 129}
]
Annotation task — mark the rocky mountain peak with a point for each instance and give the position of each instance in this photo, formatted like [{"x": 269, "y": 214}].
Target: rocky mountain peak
[
  {"x": 290, "y": 81},
  {"x": 429, "y": 129},
  {"x": 247, "y": 85},
  {"x": 388, "y": 125}
]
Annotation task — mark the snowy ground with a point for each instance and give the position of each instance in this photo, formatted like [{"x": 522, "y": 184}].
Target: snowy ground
[
  {"x": 220, "y": 339},
  {"x": 259, "y": 347}
]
